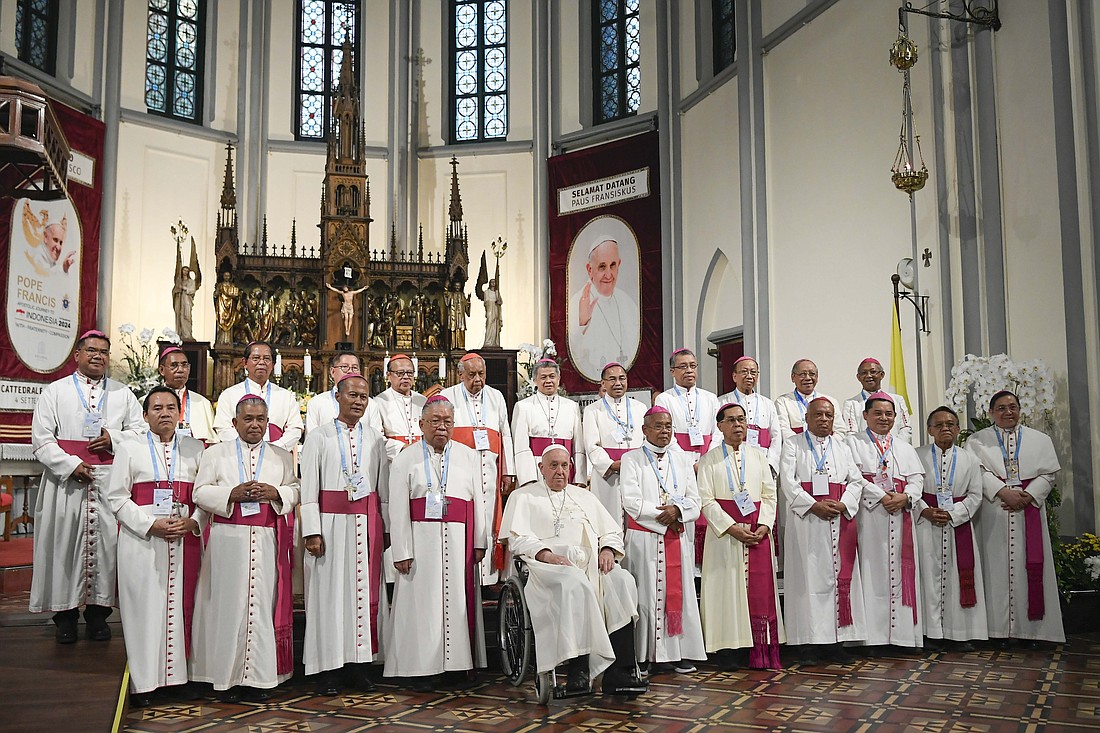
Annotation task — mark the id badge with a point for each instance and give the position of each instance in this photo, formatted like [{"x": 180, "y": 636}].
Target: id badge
[
  {"x": 882, "y": 480},
  {"x": 481, "y": 439},
  {"x": 695, "y": 435},
  {"x": 183, "y": 430},
  {"x": 434, "y": 507},
  {"x": 250, "y": 508},
  {"x": 93, "y": 425},
  {"x": 623, "y": 435},
  {"x": 162, "y": 502},
  {"x": 944, "y": 500},
  {"x": 752, "y": 437},
  {"x": 681, "y": 501},
  {"x": 820, "y": 485},
  {"x": 358, "y": 488},
  {"x": 745, "y": 504},
  {"x": 1012, "y": 468}
]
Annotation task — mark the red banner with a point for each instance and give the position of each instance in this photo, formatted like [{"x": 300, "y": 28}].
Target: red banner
[{"x": 605, "y": 262}]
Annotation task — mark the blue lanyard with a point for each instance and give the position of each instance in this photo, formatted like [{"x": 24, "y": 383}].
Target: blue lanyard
[
  {"x": 267, "y": 398},
  {"x": 657, "y": 471},
  {"x": 156, "y": 461},
  {"x": 882, "y": 453},
  {"x": 1004, "y": 452},
  {"x": 340, "y": 440},
  {"x": 429, "y": 473},
  {"x": 803, "y": 405},
  {"x": 936, "y": 465},
  {"x": 470, "y": 411},
  {"x": 628, "y": 426},
  {"x": 687, "y": 408},
  {"x": 259, "y": 461},
  {"x": 824, "y": 454},
  {"x": 102, "y": 401},
  {"x": 729, "y": 473}
]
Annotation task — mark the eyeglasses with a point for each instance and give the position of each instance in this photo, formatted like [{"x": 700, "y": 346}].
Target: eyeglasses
[
  {"x": 436, "y": 422},
  {"x": 806, "y": 374},
  {"x": 686, "y": 367},
  {"x": 614, "y": 380},
  {"x": 735, "y": 419},
  {"x": 93, "y": 351},
  {"x": 748, "y": 372},
  {"x": 403, "y": 374},
  {"x": 179, "y": 366},
  {"x": 870, "y": 373},
  {"x": 260, "y": 359},
  {"x": 347, "y": 368}
]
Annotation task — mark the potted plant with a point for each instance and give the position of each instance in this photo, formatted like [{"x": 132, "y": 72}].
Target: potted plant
[{"x": 1077, "y": 563}]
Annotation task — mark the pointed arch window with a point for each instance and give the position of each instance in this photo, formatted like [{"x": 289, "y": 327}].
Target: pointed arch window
[
  {"x": 174, "y": 54},
  {"x": 616, "y": 55},
  {"x": 725, "y": 44},
  {"x": 322, "y": 27},
  {"x": 479, "y": 70},
  {"x": 36, "y": 33}
]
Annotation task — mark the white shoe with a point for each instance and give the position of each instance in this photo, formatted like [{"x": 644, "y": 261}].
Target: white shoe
[{"x": 683, "y": 667}]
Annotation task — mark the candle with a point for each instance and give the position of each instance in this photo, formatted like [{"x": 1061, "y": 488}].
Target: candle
[
  {"x": 278, "y": 364},
  {"x": 416, "y": 363},
  {"x": 386, "y": 362},
  {"x": 307, "y": 365},
  {"x": 442, "y": 369}
]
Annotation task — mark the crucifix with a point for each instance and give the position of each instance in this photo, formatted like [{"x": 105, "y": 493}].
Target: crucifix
[{"x": 420, "y": 60}]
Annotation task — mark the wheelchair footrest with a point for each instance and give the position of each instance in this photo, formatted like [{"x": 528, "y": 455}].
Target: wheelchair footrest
[{"x": 562, "y": 692}]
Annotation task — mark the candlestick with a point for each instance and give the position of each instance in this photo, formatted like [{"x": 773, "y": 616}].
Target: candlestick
[
  {"x": 278, "y": 364},
  {"x": 442, "y": 369},
  {"x": 307, "y": 365}
]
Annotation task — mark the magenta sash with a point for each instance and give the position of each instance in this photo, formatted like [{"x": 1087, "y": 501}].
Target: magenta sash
[
  {"x": 674, "y": 577},
  {"x": 764, "y": 438},
  {"x": 284, "y": 562},
  {"x": 964, "y": 558},
  {"x": 616, "y": 454},
  {"x": 849, "y": 542},
  {"x": 79, "y": 449},
  {"x": 337, "y": 502},
  {"x": 274, "y": 432},
  {"x": 141, "y": 494},
  {"x": 1033, "y": 558},
  {"x": 908, "y": 553},
  {"x": 798, "y": 429},
  {"x": 684, "y": 439},
  {"x": 763, "y": 617},
  {"x": 538, "y": 445},
  {"x": 460, "y": 511}
]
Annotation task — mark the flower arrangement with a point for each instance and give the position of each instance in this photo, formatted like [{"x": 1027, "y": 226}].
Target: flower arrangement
[
  {"x": 139, "y": 360},
  {"x": 529, "y": 355},
  {"x": 1077, "y": 564},
  {"x": 984, "y": 376}
]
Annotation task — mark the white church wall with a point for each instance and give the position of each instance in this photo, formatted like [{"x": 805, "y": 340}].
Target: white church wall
[
  {"x": 566, "y": 78},
  {"x": 83, "y": 54},
  {"x": 773, "y": 13}
]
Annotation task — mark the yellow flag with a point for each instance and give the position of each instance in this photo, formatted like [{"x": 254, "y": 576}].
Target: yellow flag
[{"x": 897, "y": 361}]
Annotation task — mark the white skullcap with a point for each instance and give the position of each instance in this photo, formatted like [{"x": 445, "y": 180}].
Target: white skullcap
[{"x": 553, "y": 447}]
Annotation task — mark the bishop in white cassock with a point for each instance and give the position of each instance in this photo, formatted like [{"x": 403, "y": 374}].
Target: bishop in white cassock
[
  {"x": 582, "y": 604},
  {"x": 345, "y": 483},
  {"x": 544, "y": 418},
  {"x": 692, "y": 409},
  {"x": 870, "y": 374},
  {"x": 399, "y": 406},
  {"x": 661, "y": 499},
  {"x": 1018, "y": 468},
  {"x": 763, "y": 420},
  {"x": 888, "y": 559},
  {"x": 481, "y": 423},
  {"x": 952, "y": 587},
  {"x": 821, "y": 577},
  {"x": 284, "y": 427},
  {"x": 740, "y": 596},
  {"x": 196, "y": 414},
  {"x": 242, "y": 635},
  {"x": 438, "y": 534},
  {"x": 159, "y": 545},
  {"x": 791, "y": 407},
  {"x": 322, "y": 408},
  {"x": 612, "y": 426},
  {"x": 77, "y": 422}
]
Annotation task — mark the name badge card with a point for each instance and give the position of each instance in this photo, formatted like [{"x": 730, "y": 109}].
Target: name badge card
[
  {"x": 944, "y": 500},
  {"x": 695, "y": 435},
  {"x": 250, "y": 508},
  {"x": 93, "y": 425},
  {"x": 162, "y": 502},
  {"x": 1012, "y": 468},
  {"x": 183, "y": 430},
  {"x": 679, "y": 500},
  {"x": 358, "y": 488},
  {"x": 882, "y": 480},
  {"x": 435, "y": 506},
  {"x": 481, "y": 439},
  {"x": 623, "y": 435},
  {"x": 745, "y": 503},
  {"x": 752, "y": 437},
  {"x": 820, "y": 485}
]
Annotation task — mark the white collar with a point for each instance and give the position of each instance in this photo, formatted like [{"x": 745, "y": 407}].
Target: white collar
[{"x": 655, "y": 449}]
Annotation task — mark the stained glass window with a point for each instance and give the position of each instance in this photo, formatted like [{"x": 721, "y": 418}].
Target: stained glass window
[
  {"x": 322, "y": 27},
  {"x": 479, "y": 70},
  {"x": 725, "y": 45},
  {"x": 36, "y": 33},
  {"x": 616, "y": 52},
  {"x": 174, "y": 48}
]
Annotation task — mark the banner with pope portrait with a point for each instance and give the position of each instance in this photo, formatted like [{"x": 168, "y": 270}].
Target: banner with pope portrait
[{"x": 605, "y": 262}]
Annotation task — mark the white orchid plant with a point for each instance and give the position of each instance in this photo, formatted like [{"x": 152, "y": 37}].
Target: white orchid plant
[
  {"x": 984, "y": 376},
  {"x": 529, "y": 356},
  {"x": 138, "y": 367}
]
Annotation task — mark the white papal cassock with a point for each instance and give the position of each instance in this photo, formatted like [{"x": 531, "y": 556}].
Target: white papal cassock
[
  {"x": 284, "y": 419},
  {"x": 486, "y": 414},
  {"x": 763, "y": 430},
  {"x": 435, "y": 624},
  {"x": 611, "y": 428},
  {"x": 952, "y": 587},
  {"x": 538, "y": 421},
  {"x": 156, "y": 578},
  {"x": 243, "y": 605},
  {"x": 740, "y": 596},
  {"x": 851, "y": 415},
  {"x": 612, "y": 334},
  {"x": 661, "y": 560},
  {"x": 74, "y": 530},
  {"x": 791, "y": 410},
  {"x": 823, "y": 594},
  {"x": 196, "y": 416},
  {"x": 322, "y": 409},
  {"x": 888, "y": 560},
  {"x": 573, "y": 607},
  {"x": 1021, "y": 590},
  {"x": 693, "y": 418},
  {"x": 400, "y": 416},
  {"x": 346, "y": 605}
]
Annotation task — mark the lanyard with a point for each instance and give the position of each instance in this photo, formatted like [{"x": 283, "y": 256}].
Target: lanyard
[
  {"x": 429, "y": 472},
  {"x": 628, "y": 426},
  {"x": 470, "y": 411},
  {"x": 186, "y": 400},
  {"x": 657, "y": 471},
  {"x": 687, "y": 407},
  {"x": 882, "y": 452},
  {"x": 1015, "y": 453},
  {"x": 755, "y": 404},
  {"x": 939, "y": 469},
  {"x": 170, "y": 470},
  {"x": 824, "y": 454},
  {"x": 259, "y": 461},
  {"x": 102, "y": 401},
  {"x": 803, "y": 405},
  {"x": 340, "y": 440},
  {"x": 267, "y": 397},
  {"x": 729, "y": 473}
]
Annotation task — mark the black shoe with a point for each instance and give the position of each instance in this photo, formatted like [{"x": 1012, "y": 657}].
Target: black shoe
[
  {"x": 96, "y": 619},
  {"x": 839, "y": 655},
  {"x": 726, "y": 660},
  {"x": 807, "y": 655},
  {"x": 66, "y": 626},
  {"x": 934, "y": 645},
  {"x": 461, "y": 680},
  {"x": 577, "y": 680},
  {"x": 327, "y": 684},
  {"x": 623, "y": 682},
  {"x": 422, "y": 684},
  {"x": 186, "y": 692},
  {"x": 141, "y": 699},
  {"x": 233, "y": 694},
  {"x": 1027, "y": 644},
  {"x": 255, "y": 694},
  {"x": 962, "y": 647},
  {"x": 999, "y": 643}
]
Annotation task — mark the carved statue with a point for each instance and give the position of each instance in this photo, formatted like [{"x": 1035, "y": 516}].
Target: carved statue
[
  {"x": 226, "y": 307},
  {"x": 490, "y": 296},
  {"x": 187, "y": 281},
  {"x": 432, "y": 325},
  {"x": 347, "y": 305},
  {"x": 458, "y": 307},
  {"x": 374, "y": 322},
  {"x": 308, "y": 330}
]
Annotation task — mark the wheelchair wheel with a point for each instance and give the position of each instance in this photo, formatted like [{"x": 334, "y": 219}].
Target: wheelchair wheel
[
  {"x": 543, "y": 688},
  {"x": 517, "y": 640}
]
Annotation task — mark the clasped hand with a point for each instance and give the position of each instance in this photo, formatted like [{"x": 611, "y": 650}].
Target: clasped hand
[
  {"x": 253, "y": 491},
  {"x": 173, "y": 528}
]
